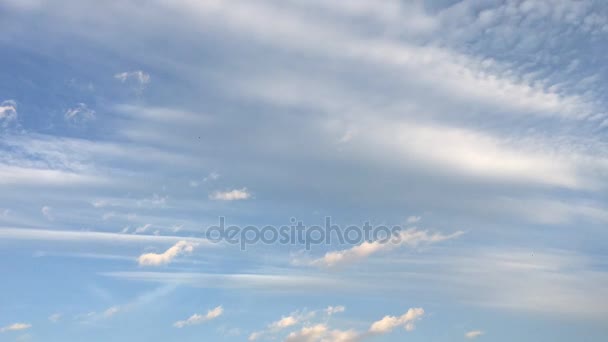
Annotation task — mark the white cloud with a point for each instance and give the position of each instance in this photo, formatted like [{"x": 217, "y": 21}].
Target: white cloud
[
  {"x": 255, "y": 335},
  {"x": 198, "y": 318},
  {"x": 410, "y": 237},
  {"x": 308, "y": 334},
  {"x": 297, "y": 317},
  {"x": 79, "y": 114},
  {"x": 10, "y": 174},
  {"x": 47, "y": 212},
  {"x": 88, "y": 236},
  {"x": 142, "y": 229},
  {"x": 211, "y": 177},
  {"x": 8, "y": 112},
  {"x": 320, "y": 332},
  {"x": 232, "y": 195},
  {"x": 334, "y": 309},
  {"x": 473, "y": 334},
  {"x": 283, "y": 323},
  {"x": 109, "y": 312},
  {"x": 56, "y": 317},
  {"x": 154, "y": 259},
  {"x": 413, "y": 219},
  {"x": 95, "y": 316},
  {"x": 388, "y": 323},
  {"x": 138, "y": 76},
  {"x": 16, "y": 327}
]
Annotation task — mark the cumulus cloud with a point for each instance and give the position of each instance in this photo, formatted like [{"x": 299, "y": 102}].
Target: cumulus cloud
[
  {"x": 321, "y": 332},
  {"x": 199, "y": 318},
  {"x": 473, "y": 334},
  {"x": 295, "y": 318},
  {"x": 410, "y": 237},
  {"x": 16, "y": 327},
  {"x": 79, "y": 114},
  {"x": 8, "y": 112},
  {"x": 308, "y": 334},
  {"x": 284, "y": 322},
  {"x": 232, "y": 195},
  {"x": 388, "y": 323},
  {"x": 155, "y": 259}
]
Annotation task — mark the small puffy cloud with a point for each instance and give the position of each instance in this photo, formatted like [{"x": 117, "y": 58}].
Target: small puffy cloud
[
  {"x": 56, "y": 317},
  {"x": 413, "y": 219},
  {"x": 410, "y": 237},
  {"x": 308, "y": 334},
  {"x": 15, "y": 327},
  {"x": 154, "y": 259},
  {"x": 334, "y": 309},
  {"x": 198, "y": 318},
  {"x": 297, "y": 317},
  {"x": 79, "y": 114},
  {"x": 8, "y": 112},
  {"x": 473, "y": 334},
  {"x": 47, "y": 212},
  {"x": 138, "y": 76},
  {"x": 284, "y": 322},
  {"x": 388, "y": 323},
  {"x": 232, "y": 195}
]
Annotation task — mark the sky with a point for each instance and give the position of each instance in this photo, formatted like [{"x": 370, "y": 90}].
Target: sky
[{"x": 128, "y": 129}]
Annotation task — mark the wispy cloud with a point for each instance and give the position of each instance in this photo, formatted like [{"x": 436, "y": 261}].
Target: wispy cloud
[
  {"x": 231, "y": 195},
  {"x": 410, "y": 237},
  {"x": 15, "y": 327},
  {"x": 138, "y": 76},
  {"x": 473, "y": 334},
  {"x": 7, "y": 233},
  {"x": 79, "y": 114}
]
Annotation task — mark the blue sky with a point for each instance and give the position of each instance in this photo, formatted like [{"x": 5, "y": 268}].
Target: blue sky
[{"x": 127, "y": 128}]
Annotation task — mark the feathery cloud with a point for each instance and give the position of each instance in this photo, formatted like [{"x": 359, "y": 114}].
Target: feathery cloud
[
  {"x": 232, "y": 195},
  {"x": 16, "y": 327},
  {"x": 79, "y": 114},
  {"x": 473, "y": 334},
  {"x": 410, "y": 237},
  {"x": 138, "y": 76}
]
